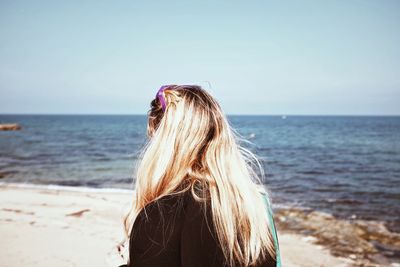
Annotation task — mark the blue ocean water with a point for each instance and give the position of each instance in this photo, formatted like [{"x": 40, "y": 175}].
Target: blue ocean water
[{"x": 344, "y": 165}]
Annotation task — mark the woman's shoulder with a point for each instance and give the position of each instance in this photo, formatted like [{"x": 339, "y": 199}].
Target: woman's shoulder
[
  {"x": 170, "y": 214},
  {"x": 155, "y": 235}
]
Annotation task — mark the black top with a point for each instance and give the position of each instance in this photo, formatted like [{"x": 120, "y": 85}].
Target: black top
[{"x": 177, "y": 231}]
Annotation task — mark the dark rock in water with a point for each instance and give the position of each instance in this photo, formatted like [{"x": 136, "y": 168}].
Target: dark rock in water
[
  {"x": 365, "y": 242},
  {"x": 10, "y": 127},
  {"x": 4, "y": 174}
]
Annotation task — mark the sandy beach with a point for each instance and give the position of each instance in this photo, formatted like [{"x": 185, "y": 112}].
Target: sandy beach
[{"x": 64, "y": 227}]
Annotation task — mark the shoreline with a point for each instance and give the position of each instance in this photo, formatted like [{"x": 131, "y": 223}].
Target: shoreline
[
  {"x": 66, "y": 188},
  {"x": 37, "y": 217}
]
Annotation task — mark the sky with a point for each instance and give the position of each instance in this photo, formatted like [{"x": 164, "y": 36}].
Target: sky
[{"x": 254, "y": 57}]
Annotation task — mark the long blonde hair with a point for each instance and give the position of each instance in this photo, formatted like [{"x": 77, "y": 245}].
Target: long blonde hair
[{"x": 192, "y": 143}]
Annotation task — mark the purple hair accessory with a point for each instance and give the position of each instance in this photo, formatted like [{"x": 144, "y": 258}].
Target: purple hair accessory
[{"x": 160, "y": 96}]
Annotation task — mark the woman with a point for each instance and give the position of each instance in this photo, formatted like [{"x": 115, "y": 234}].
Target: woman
[{"x": 198, "y": 199}]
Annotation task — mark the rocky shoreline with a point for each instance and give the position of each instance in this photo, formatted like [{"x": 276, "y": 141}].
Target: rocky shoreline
[{"x": 365, "y": 243}]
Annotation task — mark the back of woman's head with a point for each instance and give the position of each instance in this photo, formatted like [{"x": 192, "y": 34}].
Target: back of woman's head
[{"x": 191, "y": 146}]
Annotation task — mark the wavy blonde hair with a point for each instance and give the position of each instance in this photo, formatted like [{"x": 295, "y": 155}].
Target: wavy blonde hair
[{"x": 192, "y": 143}]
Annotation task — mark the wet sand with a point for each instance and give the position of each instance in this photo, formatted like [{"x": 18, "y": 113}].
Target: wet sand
[{"x": 62, "y": 227}]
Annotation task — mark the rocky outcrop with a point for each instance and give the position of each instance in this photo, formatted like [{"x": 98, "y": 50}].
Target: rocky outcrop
[
  {"x": 10, "y": 127},
  {"x": 367, "y": 243}
]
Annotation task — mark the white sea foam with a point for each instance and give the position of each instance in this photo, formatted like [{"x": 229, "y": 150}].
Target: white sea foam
[{"x": 67, "y": 188}]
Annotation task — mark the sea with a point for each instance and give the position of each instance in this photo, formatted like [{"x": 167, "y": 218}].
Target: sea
[{"x": 347, "y": 166}]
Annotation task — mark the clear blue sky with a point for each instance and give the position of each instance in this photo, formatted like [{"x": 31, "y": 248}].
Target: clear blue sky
[{"x": 255, "y": 57}]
